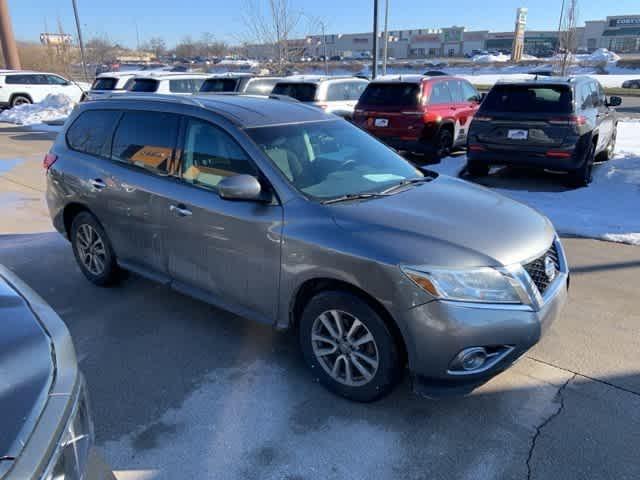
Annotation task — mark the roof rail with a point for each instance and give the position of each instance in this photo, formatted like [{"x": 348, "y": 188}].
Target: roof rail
[
  {"x": 286, "y": 98},
  {"x": 156, "y": 97}
]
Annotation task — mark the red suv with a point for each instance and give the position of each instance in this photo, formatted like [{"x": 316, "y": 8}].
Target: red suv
[{"x": 419, "y": 114}]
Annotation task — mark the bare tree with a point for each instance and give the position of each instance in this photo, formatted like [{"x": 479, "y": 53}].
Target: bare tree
[
  {"x": 157, "y": 46},
  {"x": 100, "y": 50},
  {"x": 271, "y": 22},
  {"x": 568, "y": 37},
  {"x": 186, "y": 48}
]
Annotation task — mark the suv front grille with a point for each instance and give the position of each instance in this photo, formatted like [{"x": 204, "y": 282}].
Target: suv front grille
[{"x": 536, "y": 269}]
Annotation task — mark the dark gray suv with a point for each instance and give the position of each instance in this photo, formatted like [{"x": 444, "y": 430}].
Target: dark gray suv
[
  {"x": 284, "y": 214},
  {"x": 560, "y": 124}
]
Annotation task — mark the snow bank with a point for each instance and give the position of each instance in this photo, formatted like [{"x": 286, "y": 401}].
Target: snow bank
[
  {"x": 602, "y": 55},
  {"x": 488, "y": 58},
  {"x": 53, "y": 107},
  {"x": 607, "y": 209}
]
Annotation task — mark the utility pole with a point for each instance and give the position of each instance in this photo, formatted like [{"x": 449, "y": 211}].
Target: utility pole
[
  {"x": 84, "y": 63},
  {"x": 324, "y": 49},
  {"x": 386, "y": 37},
  {"x": 374, "y": 70},
  {"x": 9, "y": 48}
]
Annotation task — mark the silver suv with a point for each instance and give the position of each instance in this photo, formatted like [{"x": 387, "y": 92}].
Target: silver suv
[{"x": 281, "y": 213}]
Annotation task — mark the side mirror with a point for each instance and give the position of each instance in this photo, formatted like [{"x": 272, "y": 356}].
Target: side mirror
[
  {"x": 240, "y": 187},
  {"x": 614, "y": 101}
]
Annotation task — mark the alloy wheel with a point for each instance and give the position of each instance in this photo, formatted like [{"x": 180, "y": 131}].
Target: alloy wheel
[
  {"x": 345, "y": 348},
  {"x": 91, "y": 249}
]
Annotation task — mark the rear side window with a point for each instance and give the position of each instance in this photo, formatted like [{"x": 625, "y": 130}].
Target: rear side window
[
  {"x": 529, "y": 99},
  {"x": 91, "y": 132},
  {"x": 304, "y": 92},
  {"x": 219, "y": 85},
  {"x": 147, "y": 140},
  {"x": 185, "y": 85},
  {"x": 440, "y": 94},
  {"x": 400, "y": 94},
  {"x": 142, "y": 85},
  {"x": 104, "y": 83},
  {"x": 261, "y": 86}
]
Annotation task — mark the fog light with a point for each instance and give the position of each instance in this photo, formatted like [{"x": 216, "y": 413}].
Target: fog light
[{"x": 473, "y": 358}]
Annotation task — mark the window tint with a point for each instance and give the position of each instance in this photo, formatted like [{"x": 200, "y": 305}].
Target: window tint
[
  {"x": 595, "y": 95},
  {"x": 219, "y": 85},
  {"x": 210, "y": 154},
  {"x": 26, "y": 79},
  {"x": 304, "y": 92},
  {"x": 400, "y": 94},
  {"x": 261, "y": 86},
  {"x": 355, "y": 92},
  {"x": 147, "y": 139},
  {"x": 528, "y": 99},
  {"x": 91, "y": 132},
  {"x": 338, "y": 91},
  {"x": 455, "y": 87},
  {"x": 585, "y": 96},
  {"x": 469, "y": 93},
  {"x": 55, "y": 80},
  {"x": 104, "y": 84},
  {"x": 185, "y": 85},
  {"x": 440, "y": 94},
  {"x": 142, "y": 85}
]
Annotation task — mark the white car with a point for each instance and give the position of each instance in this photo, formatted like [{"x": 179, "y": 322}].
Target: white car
[
  {"x": 337, "y": 95},
  {"x": 111, "y": 82},
  {"x": 19, "y": 87},
  {"x": 168, "y": 83}
]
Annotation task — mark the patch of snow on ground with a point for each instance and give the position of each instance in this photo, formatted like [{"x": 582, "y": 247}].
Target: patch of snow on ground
[
  {"x": 53, "y": 107},
  {"x": 607, "y": 209},
  {"x": 488, "y": 58}
]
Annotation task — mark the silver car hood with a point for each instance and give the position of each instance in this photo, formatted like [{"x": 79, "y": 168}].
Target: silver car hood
[{"x": 447, "y": 222}]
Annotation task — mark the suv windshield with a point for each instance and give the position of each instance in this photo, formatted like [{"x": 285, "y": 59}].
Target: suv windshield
[
  {"x": 392, "y": 94},
  {"x": 528, "y": 99},
  {"x": 326, "y": 160},
  {"x": 104, "y": 83},
  {"x": 304, "y": 92},
  {"x": 219, "y": 85}
]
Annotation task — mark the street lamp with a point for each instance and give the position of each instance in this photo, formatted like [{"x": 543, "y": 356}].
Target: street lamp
[{"x": 374, "y": 70}]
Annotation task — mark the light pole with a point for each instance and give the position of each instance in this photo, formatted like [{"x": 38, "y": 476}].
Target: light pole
[
  {"x": 374, "y": 70},
  {"x": 9, "y": 48},
  {"x": 386, "y": 36},
  {"x": 84, "y": 63},
  {"x": 324, "y": 49}
]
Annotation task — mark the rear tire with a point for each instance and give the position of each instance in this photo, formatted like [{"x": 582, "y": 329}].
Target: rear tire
[
  {"x": 442, "y": 145},
  {"x": 477, "y": 169},
  {"x": 361, "y": 363},
  {"x": 584, "y": 175},
  {"x": 20, "y": 100},
  {"x": 93, "y": 251}
]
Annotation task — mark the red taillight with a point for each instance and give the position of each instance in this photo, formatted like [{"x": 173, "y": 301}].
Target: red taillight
[
  {"x": 482, "y": 118},
  {"x": 569, "y": 120},
  {"x": 474, "y": 147},
  {"x": 49, "y": 159},
  {"x": 558, "y": 154}
]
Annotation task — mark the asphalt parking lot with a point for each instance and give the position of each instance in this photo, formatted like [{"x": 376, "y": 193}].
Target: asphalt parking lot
[{"x": 180, "y": 389}]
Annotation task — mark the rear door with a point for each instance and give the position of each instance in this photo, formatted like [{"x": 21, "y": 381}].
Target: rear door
[
  {"x": 464, "y": 107},
  {"x": 442, "y": 104},
  {"x": 391, "y": 110},
  {"x": 225, "y": 251},
  {"x": 526, "y": 115}
]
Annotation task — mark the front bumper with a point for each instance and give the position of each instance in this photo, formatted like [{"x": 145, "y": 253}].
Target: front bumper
[{"x": 439, "y": 330}]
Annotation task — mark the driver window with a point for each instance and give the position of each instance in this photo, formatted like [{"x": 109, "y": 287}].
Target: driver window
[{"x": 210, "y": 154}]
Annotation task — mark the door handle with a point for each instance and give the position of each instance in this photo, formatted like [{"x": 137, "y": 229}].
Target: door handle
[
  {"x": 97, "y": 183},
  {"x": 180, "y": 210}
]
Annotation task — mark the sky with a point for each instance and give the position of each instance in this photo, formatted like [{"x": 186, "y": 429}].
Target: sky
[{"x": 124, "y": 21}]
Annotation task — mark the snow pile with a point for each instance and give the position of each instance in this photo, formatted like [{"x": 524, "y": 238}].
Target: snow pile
[
  {"x": 53, "y": 107},
  {"x": 602, "y": 55},
  {"x": 489, "y": 58},
  {"x": 607, "y": 209}
]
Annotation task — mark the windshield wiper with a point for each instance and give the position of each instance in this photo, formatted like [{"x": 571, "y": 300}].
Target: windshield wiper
[
  {"x": 403, "y": 183},
  {"x": 355, "y": 196}
]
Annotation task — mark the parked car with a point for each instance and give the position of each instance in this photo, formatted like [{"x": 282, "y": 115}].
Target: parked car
[
  {"x": 110, "y": 82},
  {"x": 337, "y": 95},
  {"x": 435, "y": 73},
  {"x": 47, "y": 431},
  {"x": 429, "y": 115},
  {"x": 281, "y": 213},
  {"x": 635, "y": 83},
  {"x": 240, "y": 83},
  {"x": 560, "y": 124},
  {"x": 19, "y": 87},
  {"x": 166, "y": 82}
]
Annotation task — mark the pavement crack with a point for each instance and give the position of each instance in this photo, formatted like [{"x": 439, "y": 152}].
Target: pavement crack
[{"x": 534, "y": 439}]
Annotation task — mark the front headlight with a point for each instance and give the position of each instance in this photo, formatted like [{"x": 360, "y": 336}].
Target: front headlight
[
  {"x": 484, "y": 285},
  {"x": 69, "y": 461}
]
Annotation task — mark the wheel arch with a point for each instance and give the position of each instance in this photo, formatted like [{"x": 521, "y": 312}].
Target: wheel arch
[
  {"x": 20, "y": 94},
  {"x": 311, "y": 287},
  {"x": 70, "y": 212}
]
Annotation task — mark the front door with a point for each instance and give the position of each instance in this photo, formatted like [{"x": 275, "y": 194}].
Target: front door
[{"x": 226, "y": 251}]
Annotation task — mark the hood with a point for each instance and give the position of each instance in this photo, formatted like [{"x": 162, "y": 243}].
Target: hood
[
  {"x": 26, "y": 369},
  {"x": 447, "y": 222}
]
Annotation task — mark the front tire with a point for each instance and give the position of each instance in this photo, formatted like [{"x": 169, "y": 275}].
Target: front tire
[
  {"x": 93, "y": 251},
  {"x": 348, "y": 346}
]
